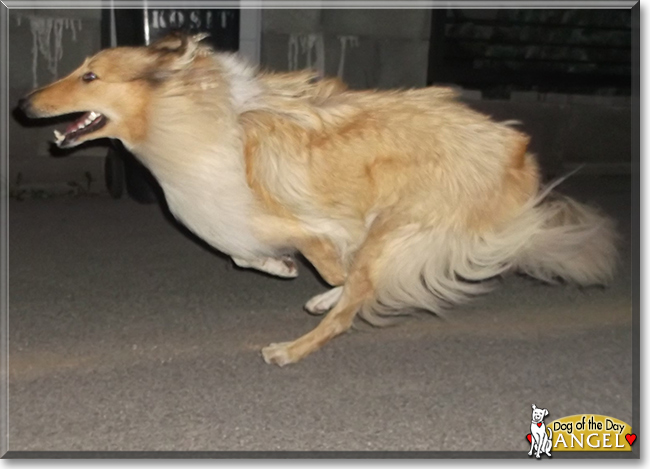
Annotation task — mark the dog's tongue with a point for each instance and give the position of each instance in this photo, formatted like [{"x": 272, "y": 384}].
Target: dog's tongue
[{"x": 78, "y": 123}]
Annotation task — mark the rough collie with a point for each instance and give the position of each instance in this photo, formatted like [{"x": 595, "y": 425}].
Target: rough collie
[{"x": 400, "y": 199}]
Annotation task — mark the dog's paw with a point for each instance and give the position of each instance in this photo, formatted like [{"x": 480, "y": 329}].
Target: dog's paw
[
  {"x": 284, "y": 267},
  {"x": 277, "y": 354},
  {"x": 324, "y": 302},
  {"x": 291, "y": 268}
]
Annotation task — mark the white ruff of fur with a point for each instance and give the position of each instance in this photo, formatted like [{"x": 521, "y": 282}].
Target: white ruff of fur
[
  {"x": 194, "y": 148},
  {"x": 550, "y": 239},
  {"x": 244, "y": 88}
]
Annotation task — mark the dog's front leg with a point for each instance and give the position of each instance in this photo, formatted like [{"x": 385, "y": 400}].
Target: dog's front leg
[
  {"x": 540, "y": 442},
  {"x": 284, "y": 266},
  {"x": 532, "y": 444}
]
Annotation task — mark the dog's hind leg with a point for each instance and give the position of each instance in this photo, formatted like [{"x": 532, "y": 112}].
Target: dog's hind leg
[
  {"x": 358, "y": 289},
  {"x": 338, "y": 320},
  {"x": 324, "y": 256},
  {"x": 322, "y": 303},
  {"x": 548, "y": 445}
]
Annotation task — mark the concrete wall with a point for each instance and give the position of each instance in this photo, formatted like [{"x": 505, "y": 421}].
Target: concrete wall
[
  {"x": 367, "y": 48},
  {"x": 250, "y": 30},
  {"x": 45, "y": 45}
]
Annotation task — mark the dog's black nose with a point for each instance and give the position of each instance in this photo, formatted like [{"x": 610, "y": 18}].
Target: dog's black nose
[{"x": 25, "y": 105}]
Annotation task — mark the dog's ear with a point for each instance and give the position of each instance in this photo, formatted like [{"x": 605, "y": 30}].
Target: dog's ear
[
  {"x": 545, "y": 412},
  {"x": 171, "y": 42},
  {"x": 534, "y": 407},
  {"x": 178, "y": 42},
  {"x": 175, "y": 52}
]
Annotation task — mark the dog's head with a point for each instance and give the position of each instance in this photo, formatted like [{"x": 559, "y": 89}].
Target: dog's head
[
  {"x": 539, "y": 414},
  {"x": 112, "y": 89}
]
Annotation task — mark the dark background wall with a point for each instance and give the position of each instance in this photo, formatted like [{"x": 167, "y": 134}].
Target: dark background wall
[
  {"x": 576, "y": 51},
  {"x": 45, "y": 45}
]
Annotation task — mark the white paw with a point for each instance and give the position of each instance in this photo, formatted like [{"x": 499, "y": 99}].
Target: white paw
[
  {"x": 283, "y": 267},
  {"x": 325, "y": 301},
  {"x": 277, "y": 354}
]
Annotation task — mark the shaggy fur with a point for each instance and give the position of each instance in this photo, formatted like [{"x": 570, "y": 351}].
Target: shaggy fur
[{"x": 400, "y": 199}]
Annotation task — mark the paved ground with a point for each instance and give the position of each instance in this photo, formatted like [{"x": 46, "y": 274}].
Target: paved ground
[{"x": 125, "y": 335}]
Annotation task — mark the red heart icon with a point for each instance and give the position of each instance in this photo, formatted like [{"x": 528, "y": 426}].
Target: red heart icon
[
  {"x": 539, "y": 424},
  {"x": 631, "y": 438},
  {"x": 529, "y": 437}
]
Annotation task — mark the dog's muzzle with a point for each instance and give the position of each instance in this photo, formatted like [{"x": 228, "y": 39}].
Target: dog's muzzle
[{"x": 25, "y": 105}]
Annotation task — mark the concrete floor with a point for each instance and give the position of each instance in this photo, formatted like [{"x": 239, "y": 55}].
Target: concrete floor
[{"x": 126, "y": 335}]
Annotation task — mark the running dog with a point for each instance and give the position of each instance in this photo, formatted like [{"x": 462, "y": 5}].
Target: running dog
[{"x": 400, "y": 199}]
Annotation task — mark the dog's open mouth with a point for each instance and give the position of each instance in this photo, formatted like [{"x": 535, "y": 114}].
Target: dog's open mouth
[{"x": 89, "y": 122}]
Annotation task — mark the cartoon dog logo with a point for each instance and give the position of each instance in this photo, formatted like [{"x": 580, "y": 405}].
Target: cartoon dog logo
[{"x": 540, "y": 441}]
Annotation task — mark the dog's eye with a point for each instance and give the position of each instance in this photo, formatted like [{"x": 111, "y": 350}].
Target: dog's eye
[{"x": 90, "y": 76}]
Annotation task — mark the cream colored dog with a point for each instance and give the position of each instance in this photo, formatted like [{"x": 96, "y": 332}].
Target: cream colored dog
[{"x": 399, "y": 198}]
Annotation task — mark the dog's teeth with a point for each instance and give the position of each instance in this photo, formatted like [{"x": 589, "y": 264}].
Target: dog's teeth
[
  {"x": 87, "y": 121},
  {"x": 59, "y": 136}
]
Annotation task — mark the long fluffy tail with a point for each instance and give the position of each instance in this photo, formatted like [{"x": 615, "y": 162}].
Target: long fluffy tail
[
  {"x": 553, "y": 237},
  {"x": 571, "y": 241}
]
